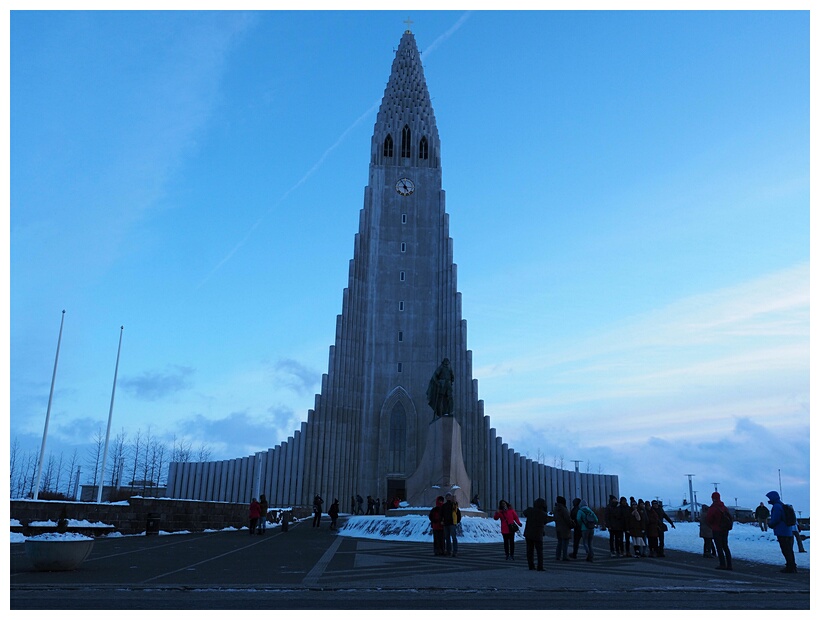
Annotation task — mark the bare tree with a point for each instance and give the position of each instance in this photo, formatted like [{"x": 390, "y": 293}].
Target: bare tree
[
  {"x": 48, "y": 473},
  {"x": 73, "y": 464},
  {"x": 118, "y": 448},
  {"x": 181, "y": 451},
  {"x": 204, "y": 453},
  {"x": 94, "y": 459},
  {"x": 136, "y": 452}
]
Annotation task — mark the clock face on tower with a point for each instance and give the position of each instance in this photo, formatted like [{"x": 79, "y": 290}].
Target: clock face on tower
[{"x": 405, "y": 187}]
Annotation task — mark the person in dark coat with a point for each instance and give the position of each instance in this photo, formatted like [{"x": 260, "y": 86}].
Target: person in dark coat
[
  {"x": 635, "y": 529},
  {"x": 762, "y": 516},
  {"x": 537, "y": 518},
  {"x": 721, "y": 536},
  {"x": 333, "y": 513},
  {"x": 613, "y": 521},
  {"x": 653, "y": 528},
  {"x": 317, "y": 511},
  {"x": 576, "y": 532},
  {"x": 263, "y": 513},
  {"x": 662, "y": 526},
  {"x": 437, "y": 526},
  {"x": 563, "y": 528},
  {"x": 784, "y": 532},
  {"x": 625, "y": 514}
]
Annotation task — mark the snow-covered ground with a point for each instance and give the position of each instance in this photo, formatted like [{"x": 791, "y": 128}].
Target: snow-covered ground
[{"x": 746, "y": 541}]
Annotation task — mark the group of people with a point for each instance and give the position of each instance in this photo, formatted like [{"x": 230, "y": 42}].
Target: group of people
[
  {"x": 637, "y": 524},
  {"x": 258, "y": 515},
  {"x": 444, "y": 519},
  {"x": 375, "y": 506}
]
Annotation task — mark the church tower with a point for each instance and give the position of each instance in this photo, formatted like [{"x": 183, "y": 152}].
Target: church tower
[
  {"x": 401, "y": 312},
  {"x": 401, "y": 316}
]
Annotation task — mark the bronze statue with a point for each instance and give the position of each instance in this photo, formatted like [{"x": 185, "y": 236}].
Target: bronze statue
[{"x": 440, "y": 390}]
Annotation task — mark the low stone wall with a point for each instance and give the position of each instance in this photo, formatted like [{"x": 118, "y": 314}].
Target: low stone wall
[{"x": 132, "y": 516}]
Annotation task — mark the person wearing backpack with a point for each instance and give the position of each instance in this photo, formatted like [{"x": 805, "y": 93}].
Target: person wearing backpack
[
  {"x": 783, "y": 530},
  {"x": 717, "y": 520},
  {"x": 587, "y": 518}
]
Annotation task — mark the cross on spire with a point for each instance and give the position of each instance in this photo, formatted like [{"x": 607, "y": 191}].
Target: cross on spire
[{"x": 408, "y": 21}]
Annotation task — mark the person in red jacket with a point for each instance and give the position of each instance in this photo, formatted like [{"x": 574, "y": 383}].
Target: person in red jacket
[
  {"x": 507, "y": 515},
  {"x": 719, "y": 534},
  {"x": 437, "y": 526},
  {"x": 254, "y": 512}
]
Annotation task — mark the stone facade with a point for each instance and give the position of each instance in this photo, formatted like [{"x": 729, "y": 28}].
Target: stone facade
[{"x": 401, "y": 315}]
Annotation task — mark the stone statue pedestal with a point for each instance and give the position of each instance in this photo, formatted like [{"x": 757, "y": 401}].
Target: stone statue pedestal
[{"x": 441, "y": 469}]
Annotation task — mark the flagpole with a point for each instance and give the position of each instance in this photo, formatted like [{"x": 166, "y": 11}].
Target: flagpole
[
  {"x": 110, "y": 413},
  {"x": 48, "y": 411}
]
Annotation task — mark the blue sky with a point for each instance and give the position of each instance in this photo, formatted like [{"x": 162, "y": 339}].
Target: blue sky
[{"x": 628, "y": 196}]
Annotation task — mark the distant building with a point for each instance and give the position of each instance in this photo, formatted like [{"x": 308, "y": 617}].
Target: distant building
[{"x": 401, "y": 316}]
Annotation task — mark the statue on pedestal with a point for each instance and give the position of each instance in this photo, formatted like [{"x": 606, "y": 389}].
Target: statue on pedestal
[{"x": 440, "y": 390}]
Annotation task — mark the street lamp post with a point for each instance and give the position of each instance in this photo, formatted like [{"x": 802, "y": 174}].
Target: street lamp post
[{"x": 691, "y": 494}]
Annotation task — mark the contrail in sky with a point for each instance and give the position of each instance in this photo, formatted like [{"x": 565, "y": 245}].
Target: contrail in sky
[{"x": 328, "y": 151}]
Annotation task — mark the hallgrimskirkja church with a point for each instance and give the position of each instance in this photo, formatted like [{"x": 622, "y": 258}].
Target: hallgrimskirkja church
[{"x": 374, "y": 429}]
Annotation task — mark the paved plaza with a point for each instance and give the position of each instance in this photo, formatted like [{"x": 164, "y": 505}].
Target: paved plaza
[{"x": 310, "y": 568}]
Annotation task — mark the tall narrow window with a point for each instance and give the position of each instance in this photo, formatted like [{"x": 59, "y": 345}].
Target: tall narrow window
[
  {"x": 401, "y": 336},
  {"x": 401, "y": 276},
  {"x": 403, "y": 218},
  {"x": 398, "y": 439},
  {"x": 401, "y": 306},
  {"x": 388, "y": 146},
  {"x": 398, "y": 368},
  {"x": 403, "y": 246},
  {"x": 405, "y": 141},
  {"x": 423, "y": 148}
]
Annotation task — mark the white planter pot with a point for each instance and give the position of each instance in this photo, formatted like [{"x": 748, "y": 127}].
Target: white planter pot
[{"x": 58, "y": 554}]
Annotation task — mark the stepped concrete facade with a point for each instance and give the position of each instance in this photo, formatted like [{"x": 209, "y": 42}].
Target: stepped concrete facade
[{"x": 401, "y": 316}]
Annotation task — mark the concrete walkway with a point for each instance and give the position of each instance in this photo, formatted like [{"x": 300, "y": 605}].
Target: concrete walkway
[{"x": 314, "y": 568}]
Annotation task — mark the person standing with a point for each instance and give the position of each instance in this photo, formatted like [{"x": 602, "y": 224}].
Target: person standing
[
  {"x": 333, "y": 513},
  {"x": 437, "y": 526},
  {"x": 507, "y": 515},
  {"x": 709, "y": 550},
  {"x": 563, "y": 528},
  {"x": 587, "y": 519},
  {"x": 762, "y": 516},
  {"x": 615, "y": 524},
  {"x": 625, "y": 513},
  {"x": 662, "y": 527},
  {"x": 317, "y": 510},
  {"x": 720, "y": 532},
  {"x": 537, "y": 518},
  {"x": 635, "y": 529},
  {"x": 263, "y": 513},
  {"x": 450, "y": 517},
  {"x": 253, "y": 515},
  {"x": 653, "y": 528},
  {"x": 359, "y": 502},
  {"x": 783, "y": 531},
  {"x": 576, "y": 527}
]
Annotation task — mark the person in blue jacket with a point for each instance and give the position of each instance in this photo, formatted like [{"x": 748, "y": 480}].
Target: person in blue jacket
[{"x": 784, "y": 533}]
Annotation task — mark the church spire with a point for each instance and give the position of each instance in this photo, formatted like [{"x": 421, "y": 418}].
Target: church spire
[{"x": 405, "y": 132}]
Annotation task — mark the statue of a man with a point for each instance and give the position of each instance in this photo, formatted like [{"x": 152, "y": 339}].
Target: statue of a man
[{"x": 440, "y": 389}]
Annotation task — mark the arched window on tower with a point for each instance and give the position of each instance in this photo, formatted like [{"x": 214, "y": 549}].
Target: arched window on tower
[
  {"x": 423, "y": 148},
  {"x": 388, "y": 146},
  {"x": 398, "y": 439},
  {"x": 405, "y": 141}
]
